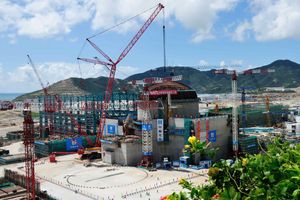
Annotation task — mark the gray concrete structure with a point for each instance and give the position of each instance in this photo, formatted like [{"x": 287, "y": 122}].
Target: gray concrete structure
[
  {"x": 130, "y": 153},
  {"x": 174, "y": 146},
  {"x": 122, "y": 153},
  {"x": 177, "y": 115}
]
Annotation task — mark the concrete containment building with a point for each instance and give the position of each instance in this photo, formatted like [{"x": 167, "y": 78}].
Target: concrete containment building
[{"x": 176, "y": 118}]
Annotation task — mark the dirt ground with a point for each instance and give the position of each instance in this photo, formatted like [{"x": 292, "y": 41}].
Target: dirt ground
[{"x": 10, "y": 120}]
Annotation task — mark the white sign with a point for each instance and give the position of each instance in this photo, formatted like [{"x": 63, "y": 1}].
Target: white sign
[
  {"x": 179, "y": 122},
  {"x": 160, "y": 130},
  {"x": 203, "y": 137},
  {"x": 152, "y": 80}
]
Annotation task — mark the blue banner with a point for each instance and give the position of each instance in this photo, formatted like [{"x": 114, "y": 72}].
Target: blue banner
[
  {"x": 212, "y": 136},
  {"x": 147, "y": 153},
  {"x": 73, "y": 144},
  {"x": 147, "y": 127},
  {"x": 176, "y": 131},
  {"x": 111, "y": 129}
]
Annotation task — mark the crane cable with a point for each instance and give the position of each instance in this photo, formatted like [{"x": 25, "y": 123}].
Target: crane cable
[
  {"x": 164, "y": 43},
  {"x": 106, "y": 30},
  {"x": 123, "y": 22}
]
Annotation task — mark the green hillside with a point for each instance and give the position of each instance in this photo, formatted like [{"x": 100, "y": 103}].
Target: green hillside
[{"x": 287, "y": 74}]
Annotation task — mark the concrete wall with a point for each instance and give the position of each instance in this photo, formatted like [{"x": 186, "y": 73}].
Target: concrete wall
[
  {"x": 123, "y": 154},
  {"x": 185, "y": 108},
  {"x": 108, "y": 153},
  {"x": 173, "y": 148},
  {"x": 223, "y": 141},
  {"x": 133, "y": 152}
]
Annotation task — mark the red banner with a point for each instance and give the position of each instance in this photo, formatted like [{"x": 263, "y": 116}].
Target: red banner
[
  {"x": 207, "y": 129},
  {"x": 198, "y": 129}
]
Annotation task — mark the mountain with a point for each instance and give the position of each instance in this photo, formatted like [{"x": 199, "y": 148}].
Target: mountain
[
  {"x": 287, "y": 74},
  {"x": 74, "y": 86}
]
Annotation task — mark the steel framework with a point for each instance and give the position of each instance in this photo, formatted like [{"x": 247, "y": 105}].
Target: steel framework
[
  {"x": 80, "y": 114},
  {"x": 28, "y": 138}
]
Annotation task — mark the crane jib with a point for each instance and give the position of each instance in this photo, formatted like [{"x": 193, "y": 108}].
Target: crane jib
[{"x": 113, "y": 65}]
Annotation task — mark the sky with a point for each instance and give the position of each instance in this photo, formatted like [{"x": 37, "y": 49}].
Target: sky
[{"x": 199, "y": 33}]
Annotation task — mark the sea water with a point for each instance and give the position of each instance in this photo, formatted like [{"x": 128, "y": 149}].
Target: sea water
[{"x": 8, "y": 96}]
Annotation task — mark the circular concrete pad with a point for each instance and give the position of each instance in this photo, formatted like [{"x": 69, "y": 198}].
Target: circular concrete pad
[{"x": 103, "y": 178}]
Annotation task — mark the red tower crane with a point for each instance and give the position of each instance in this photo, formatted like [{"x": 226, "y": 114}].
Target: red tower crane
[
  {"x": 113, "y": 66},
  {"x": 49, "y": 105},
  {"x": 28, "y": 138}
]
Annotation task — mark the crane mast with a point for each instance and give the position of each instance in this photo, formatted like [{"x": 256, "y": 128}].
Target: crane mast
[
  {"x": 268, "y": 117},
  {"x": 28, "y": 140},
  {"x": 49, "y": 105},
  {"x": 235, "y": 127},
  {"x": 113, "y": 67},
  {"x": 146, "y": 130},
  {"x": 234, "y": 75}
]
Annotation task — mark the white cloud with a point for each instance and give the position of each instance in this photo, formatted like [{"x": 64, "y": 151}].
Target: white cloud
[
  {"x": 1, "y": 72},
  {"x": 222, "y": 63},
  {"x": 237, "y": 62},
  {"x": 242, "y": 31},
  {"x": 23, "y": 79},
  {"x": 272, "y": 20},
  {"x": 125, "y": 71},
  {"x": 41, "y": 19},
  {"x": 200, "y": 16},
  {"x": 203, "y": 63},
  {"x": 48, "y": 18},
  {"x": 9, "y": 14},
  {"x": 74, "y": 39}
]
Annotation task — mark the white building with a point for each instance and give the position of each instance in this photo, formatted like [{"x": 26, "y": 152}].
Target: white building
[
  {"x": 278, "y": 89},
  {"x": 293, "y": 127}
]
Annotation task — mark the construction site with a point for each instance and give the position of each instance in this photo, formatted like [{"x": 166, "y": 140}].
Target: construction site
[{"x": 131, "y": 144}]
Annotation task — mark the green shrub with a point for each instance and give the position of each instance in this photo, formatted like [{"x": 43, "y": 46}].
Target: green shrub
[{"x": 274, "y": 174}]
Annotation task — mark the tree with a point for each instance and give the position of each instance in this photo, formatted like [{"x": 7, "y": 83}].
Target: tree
[{"x": 273, "y": 174}]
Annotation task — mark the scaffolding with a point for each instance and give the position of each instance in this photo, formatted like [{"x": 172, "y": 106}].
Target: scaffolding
[{"x": 85, "y": 110}]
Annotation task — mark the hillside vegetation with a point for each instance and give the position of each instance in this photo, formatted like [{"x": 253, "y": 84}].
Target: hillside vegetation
[{"x": 287, "y": 74}]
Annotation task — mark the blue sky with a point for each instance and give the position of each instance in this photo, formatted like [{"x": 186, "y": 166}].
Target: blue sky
[{"x": 199, "y": 33}]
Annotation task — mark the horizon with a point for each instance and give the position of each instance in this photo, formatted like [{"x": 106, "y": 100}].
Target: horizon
[{"x": 238, "y": 68}]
